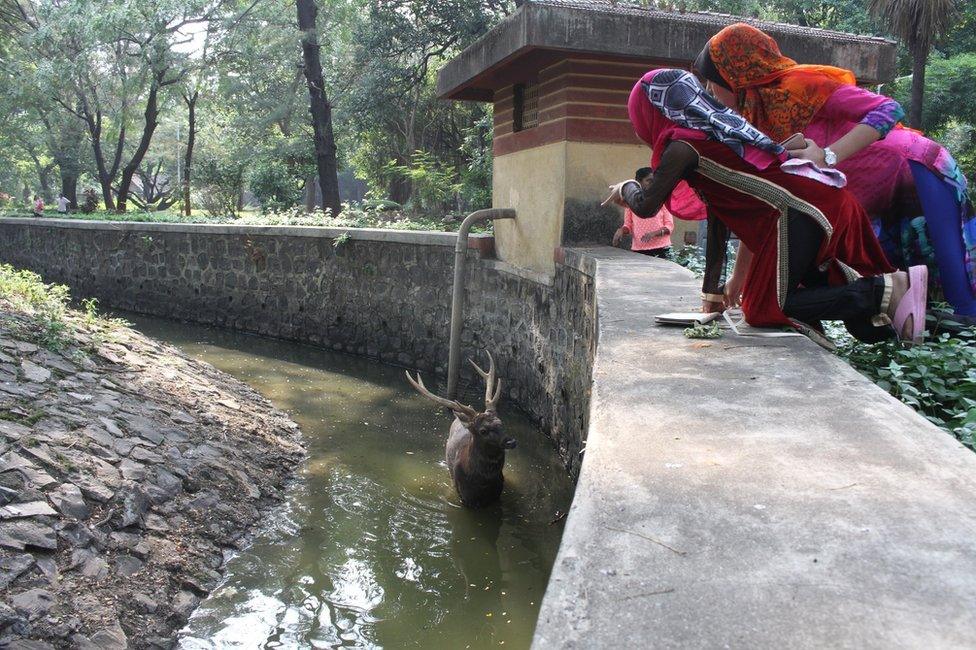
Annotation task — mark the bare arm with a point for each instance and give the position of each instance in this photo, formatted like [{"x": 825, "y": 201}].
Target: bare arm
[
  {"x": 678, "y": 159},
  {"x": 736, "y": 284},
  {"x": 876, "y": 116}
]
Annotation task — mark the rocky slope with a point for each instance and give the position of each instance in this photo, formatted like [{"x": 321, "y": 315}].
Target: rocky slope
[{"x": 128, "y": 474}]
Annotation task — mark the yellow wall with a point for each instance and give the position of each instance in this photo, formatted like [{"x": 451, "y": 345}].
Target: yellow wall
[
  {"x": 531, "y": 181},
  {"x": 536, "y": 182},
  {"x": 591, "y": 167}
]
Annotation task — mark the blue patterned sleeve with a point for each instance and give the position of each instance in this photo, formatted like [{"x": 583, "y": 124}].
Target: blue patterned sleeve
[{"x": 884, "y": 118}]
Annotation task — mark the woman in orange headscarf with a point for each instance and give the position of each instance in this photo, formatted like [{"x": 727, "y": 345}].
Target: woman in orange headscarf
[{"x": 895, "y": 173}]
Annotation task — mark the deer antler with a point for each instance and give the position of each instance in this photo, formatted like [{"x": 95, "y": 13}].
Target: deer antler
[
  {"x": 458, "y": 408},
  {"x": 493, "y": 386}
]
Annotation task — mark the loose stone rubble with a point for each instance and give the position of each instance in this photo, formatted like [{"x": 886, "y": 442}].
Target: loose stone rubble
[{"x": 129, "y": 473}]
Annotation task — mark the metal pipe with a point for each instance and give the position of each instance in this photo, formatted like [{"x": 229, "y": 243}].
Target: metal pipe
[{"x": 457, "y": 295}]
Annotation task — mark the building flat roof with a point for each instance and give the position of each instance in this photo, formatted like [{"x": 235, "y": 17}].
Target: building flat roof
[{"x": 542, "y": 32}]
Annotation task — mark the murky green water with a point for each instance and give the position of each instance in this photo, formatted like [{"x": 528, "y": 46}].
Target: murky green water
[{"x": 371, "y": 549}]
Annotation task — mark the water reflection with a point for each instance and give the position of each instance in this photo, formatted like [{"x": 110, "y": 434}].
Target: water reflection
[{"x": 371, "y": 549}]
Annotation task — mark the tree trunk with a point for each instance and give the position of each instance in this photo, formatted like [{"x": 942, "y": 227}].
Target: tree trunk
[
  {"x": 191, "y": 104},
  {"x": 64, "y": 143},
  {"x": 311, "y": 196},
  {"x": 319, "y": 107},
  {"x": 919, "y": 58},
  {"x": 69, "y": 185},
  {"x": 152, "y": 113},
  {"x": 105, "y": 175},
  {"x": 44, "y": 177}
]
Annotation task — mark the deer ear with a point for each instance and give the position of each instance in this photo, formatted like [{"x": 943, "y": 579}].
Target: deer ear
[{"x": 465, "y": 418}]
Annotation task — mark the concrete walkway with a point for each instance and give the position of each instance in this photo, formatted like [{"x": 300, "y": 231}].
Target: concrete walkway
[{"x": 753, "y": 494}]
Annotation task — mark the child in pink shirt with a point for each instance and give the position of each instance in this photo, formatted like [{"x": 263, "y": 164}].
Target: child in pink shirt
[{"x": 650, "y": 236}]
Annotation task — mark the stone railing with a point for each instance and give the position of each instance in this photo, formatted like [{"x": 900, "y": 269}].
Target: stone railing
[{"x": 384, "y": 294}]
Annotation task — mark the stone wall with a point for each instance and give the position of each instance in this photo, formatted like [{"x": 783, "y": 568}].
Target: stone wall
[{"x": 381, "y": 294}]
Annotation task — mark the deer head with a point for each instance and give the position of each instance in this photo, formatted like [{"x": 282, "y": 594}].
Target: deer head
[{"x": 484, "y": 425}]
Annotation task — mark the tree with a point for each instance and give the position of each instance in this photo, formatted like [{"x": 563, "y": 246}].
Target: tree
[
  {"x": 392, "y": 108},
  {"x": 950, "y": 92},
  {"x": 918, "y": 23},
  {"x": 319, "y": 107}
]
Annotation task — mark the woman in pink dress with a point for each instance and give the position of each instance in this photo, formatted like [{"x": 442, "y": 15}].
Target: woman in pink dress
[
  {"x": 895, "y": 173},
  {"x": 650, "y": 236}
]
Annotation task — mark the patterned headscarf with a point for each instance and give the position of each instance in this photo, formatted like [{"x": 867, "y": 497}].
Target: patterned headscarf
[
  {"x": 668, "y": 105},
  {"x": 774, "y": 93},
  {"x": 671, "y": 104},
  {"x": 681, "y": 98}
]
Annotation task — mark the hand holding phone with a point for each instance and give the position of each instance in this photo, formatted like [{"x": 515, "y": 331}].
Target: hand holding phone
[{"x": 795, "y": 141}]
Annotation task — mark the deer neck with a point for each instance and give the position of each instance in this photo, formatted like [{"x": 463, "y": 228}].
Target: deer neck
[{"x": 488, "y": 455}]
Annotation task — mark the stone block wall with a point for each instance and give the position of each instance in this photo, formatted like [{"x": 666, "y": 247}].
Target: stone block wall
[{"x": 381, "y": 294}]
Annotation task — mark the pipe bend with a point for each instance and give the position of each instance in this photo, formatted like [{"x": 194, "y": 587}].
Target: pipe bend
[
  {"x": 476, "y": 216},
  {"x": 491, "y": 213}
]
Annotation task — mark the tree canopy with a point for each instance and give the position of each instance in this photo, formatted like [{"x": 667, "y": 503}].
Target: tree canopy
[{"x": 204, "y": 104}]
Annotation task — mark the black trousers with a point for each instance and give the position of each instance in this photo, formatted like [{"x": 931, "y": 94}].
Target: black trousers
[
  {"x": 664, "y": 253},
  {"x": 809, "y": 299}
]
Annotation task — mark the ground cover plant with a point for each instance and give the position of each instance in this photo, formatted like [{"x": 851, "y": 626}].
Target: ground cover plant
[
  {"x": 41, "y": 312},
  {"x": 356, "y": 216},
  {"x": 937, "y": 378}
]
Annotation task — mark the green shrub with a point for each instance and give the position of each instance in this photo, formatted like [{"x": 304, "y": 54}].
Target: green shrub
[
  {"x": 220, "y": 185},
  {"x": 46, "y": 303},
  {"x": 274, "y": 184},
  {"x": 937, "y": 378},
  {"x": 435, "y": 184}
]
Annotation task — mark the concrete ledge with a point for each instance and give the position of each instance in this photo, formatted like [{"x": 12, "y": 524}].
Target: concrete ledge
[
  {"x": 749, "y": 493},
  {"x": 417, "y": 237}
]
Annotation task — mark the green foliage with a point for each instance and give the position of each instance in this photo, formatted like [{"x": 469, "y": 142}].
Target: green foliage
[
  {"x": 950, "y": 92},
  {"x": 46, "y": 303},
  {"x": 475, "y": 187},
  {"x": 89, "y": 308},
  {"x": 340, "y": 240},
  {"x": 274, "y": 184},
  {"x": 706, "y": 331},
  {"x": 692, "y": 258},
  {"x": 392, "y": 111},
  {"x": 960, "y": 140},
  {"x": 220, "y": 183},
  {"x": 962, "y": 36},
  {"x": 435, "y": 185},
  {"x": 937, "y": 378}
]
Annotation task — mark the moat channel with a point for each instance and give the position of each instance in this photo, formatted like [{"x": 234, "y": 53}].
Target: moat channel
[{"x": 371, "y": 548}]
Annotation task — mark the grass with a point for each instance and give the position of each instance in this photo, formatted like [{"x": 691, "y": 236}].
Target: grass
[
  {"x": 40, "y": 312},
  {"x": 29, "y": 420},
  {"x": 351, "y": 217},
  {"x": 45, "y": 304}
]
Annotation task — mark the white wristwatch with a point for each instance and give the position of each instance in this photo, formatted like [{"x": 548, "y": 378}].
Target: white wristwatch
[{"x": 830, "y": 158}]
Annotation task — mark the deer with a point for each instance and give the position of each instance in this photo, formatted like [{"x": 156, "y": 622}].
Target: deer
[{"x": 476, "y": 445}]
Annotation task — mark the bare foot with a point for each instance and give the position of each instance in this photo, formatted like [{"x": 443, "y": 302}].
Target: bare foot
[{"x": 899, "y": 287}]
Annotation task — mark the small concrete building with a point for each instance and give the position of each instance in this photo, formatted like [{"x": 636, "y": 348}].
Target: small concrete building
[{"x": 558, "y": 73}]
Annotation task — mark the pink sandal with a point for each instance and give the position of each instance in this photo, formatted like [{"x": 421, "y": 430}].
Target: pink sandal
[{"x": 913, "y": 304}]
